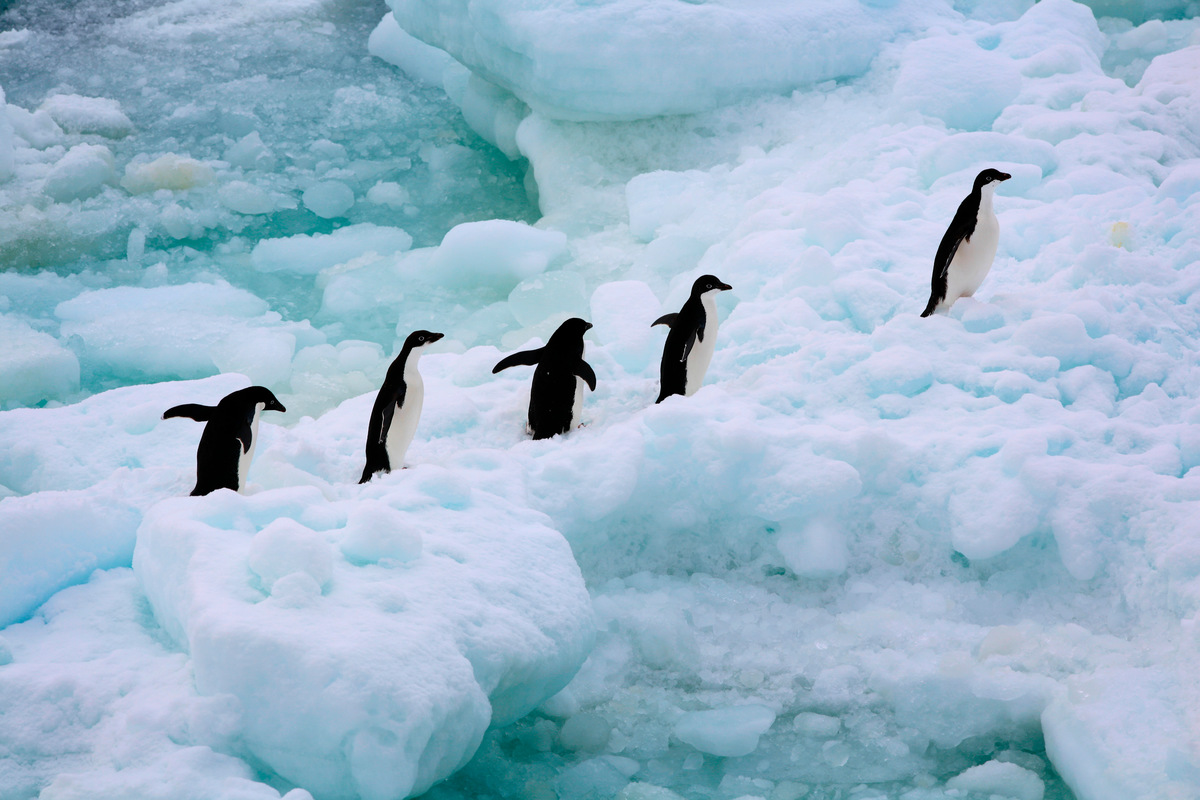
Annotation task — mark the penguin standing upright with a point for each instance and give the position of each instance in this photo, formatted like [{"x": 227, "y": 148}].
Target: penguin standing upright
[
  {"x": 692, "y": 339},
  {"x": 968, "y": 247},
  {"x": 556, "y": 397},
  {"x": 397, "y": 408},
  {"x": 230, "y": 436}
]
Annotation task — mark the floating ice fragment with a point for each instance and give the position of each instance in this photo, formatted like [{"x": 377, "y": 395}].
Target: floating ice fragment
[
  {"x": 728, "y": 732},
  {"x": 78, "y": 114},
  {"x": 585, "y": 732},
  {"x": 246, "y": 198},
  {"x": 497, "y": 253},
  {"x": 1000, "y": 779},
  {"x": 249, "y": 152},
  {"x": 309, "y": 254},
  {"x": 329, "y": 199},
  {"x": 815, "y": 550},
  {"x": 34, "y": 366},
  {"x": 80, "y": 174},
  {"x": 171, "y": 171}
]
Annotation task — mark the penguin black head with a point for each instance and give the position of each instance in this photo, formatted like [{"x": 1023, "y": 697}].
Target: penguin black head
[
  {"x": 253, "y": 395},
  {"x": 990, "y": 175},
  {"x": 709, "y": 283},
  {"x": 571, "y": 330},
  {"x": 421, "y": 338}
]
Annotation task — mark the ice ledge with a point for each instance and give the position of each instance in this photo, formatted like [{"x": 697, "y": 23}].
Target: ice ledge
[
  {"x": 370, "y": 641},
  {"x": 630, "y": 59}
]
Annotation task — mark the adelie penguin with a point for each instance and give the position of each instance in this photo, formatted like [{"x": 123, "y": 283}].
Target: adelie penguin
[
  {"x": 692, "y": 339},
  {"x": 968, "y": 246},
  {"x": 556, "y": 397},
  {"x": 397, "y": 408},
  {"x": 229, "y": 438}
]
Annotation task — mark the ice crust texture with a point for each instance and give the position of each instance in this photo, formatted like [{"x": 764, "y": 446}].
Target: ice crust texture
[{"x": 951, "y": 557}]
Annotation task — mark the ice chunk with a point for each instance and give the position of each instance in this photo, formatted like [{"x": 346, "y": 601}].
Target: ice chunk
[
  {"x": 585, "y": 732},
  {"x": 171, "y": 171},
  {"x": 496, "y": 253},
  {"x": 81, "y": 173},
  {"x": 249, "y": 152},
  {"x": 389, "y": 194},
  {"x": 815, "y": 550},
  {"x": 329, "y": 199},
  {"x": 385, "y": 683},
  {"x": 33, "y": 366},
  {"x": 729, "y": 732},
  {"x": 187, "y": 330},
  {"x": 1000, "y": 779},
  {"x": 309, "y": 254},
  {"x": 38, "y": 129},
  {"x": 818, "y": 726},
  {"x": 78, "y": 114},
  {"x": 246, "y": 198}
]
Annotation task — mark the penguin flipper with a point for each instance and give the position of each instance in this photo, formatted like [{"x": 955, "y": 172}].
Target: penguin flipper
[
  {"x": 191, "y": 411},
  {"x": 528, "y": 358},
  {"x": 665, "y": 319},
  {"x": 687, "y": 347},
  {"x": 245, "y": 434},
  {"x": 584, "y": 370}
]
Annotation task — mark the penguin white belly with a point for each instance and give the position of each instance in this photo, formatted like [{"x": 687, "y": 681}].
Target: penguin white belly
[
  {"x": 702, "y": 350},
  {"x": 973, "y": 259},
  {"x": 577, "y": 405},
  {"x": 244, "y": 458},
  {"x": 404, "y": 421}
]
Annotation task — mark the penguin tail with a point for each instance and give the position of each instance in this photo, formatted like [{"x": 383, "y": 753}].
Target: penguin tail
[{"x": 191, "y": 411}]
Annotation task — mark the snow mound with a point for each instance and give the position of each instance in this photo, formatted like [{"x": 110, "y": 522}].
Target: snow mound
[{"x": 377, "y": 676}]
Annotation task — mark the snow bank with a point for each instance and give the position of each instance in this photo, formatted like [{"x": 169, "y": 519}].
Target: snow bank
[{"x": 377, "y": 677}]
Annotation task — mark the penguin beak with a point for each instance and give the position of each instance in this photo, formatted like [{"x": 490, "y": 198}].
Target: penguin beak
[
  {"x": 276, "y": 406},
  {"x": 433, "y": 337},
  {"x": 587, "y": 326},
  {"x": 1004, "y": 176},
  {"x": 724, "y": 287}
]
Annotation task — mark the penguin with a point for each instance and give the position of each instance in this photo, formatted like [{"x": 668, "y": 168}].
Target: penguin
[
  {"x": 691, "y": 340},
  {"x": 556, "y": 397},
  {"x": 968, "y": 246},
  {"x": 397, "y": 408},
  {"x": 230, "y": 436}
]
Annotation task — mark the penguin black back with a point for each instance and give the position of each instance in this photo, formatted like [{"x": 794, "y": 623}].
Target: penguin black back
[
  {"x": 397, "y": 408},
  {"x": 687, "y": 351},
  {"x": 961, "y": 229},
  {"x": 228, "y": 441},
  {"x": 555, "y": 396}
]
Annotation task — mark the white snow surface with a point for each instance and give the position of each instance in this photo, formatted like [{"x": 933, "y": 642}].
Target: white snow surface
[{"x": 875, "y": 556}]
